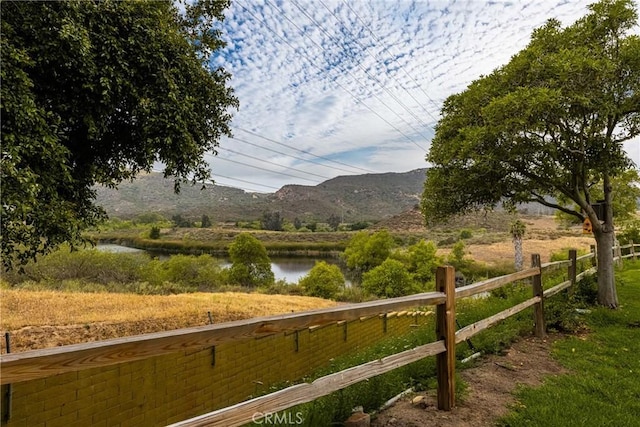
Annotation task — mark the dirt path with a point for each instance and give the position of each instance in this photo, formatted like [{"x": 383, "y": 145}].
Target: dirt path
[{"x": 491, "y": 383}]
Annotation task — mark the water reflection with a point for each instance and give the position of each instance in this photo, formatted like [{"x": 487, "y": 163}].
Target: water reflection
[{"x": 288, "y": 269}]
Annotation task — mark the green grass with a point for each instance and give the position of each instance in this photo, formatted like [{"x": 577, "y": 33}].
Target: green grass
[{"x": 603, "y": 388}]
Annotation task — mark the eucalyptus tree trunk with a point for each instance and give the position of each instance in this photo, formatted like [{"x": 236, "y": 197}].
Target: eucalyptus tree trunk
[
  {"x": 519, "y": 258},
  {"x": 604, "y": 234},
  {"x": 607, "y": 294},
  {"x": 517, "y": 231}
]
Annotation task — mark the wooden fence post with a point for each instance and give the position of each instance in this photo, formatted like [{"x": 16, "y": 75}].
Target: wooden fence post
[
  {"x": 594, "y": 259},
  {"x": 617, "y": 253},
  {"x": 633, "y": 250},
  {"x": 538, "y": 308},
  {"x": 572, "y": 269},
  {"x": 446, "y": 330}
]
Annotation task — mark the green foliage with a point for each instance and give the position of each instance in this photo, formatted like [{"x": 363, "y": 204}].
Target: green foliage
[
  {"x": 456, "y": 257},
  {"x": 629, "y": 232},
  {"x": 92, "y": 270},
  {"x": 281, "y": 287},
  {"x": 180, "y": 221},
  {"x": 133, "y": 86},
  {"x": 549, "y": 123},
  {"x": 323, "y": 280},
  {"x": 297, "y": 223},
  {"x": 205, "y": 222},
  {"x": 366, "y": 251},
  {"x": 465, "y": 233},
  {"x": 390, "y": 279},
  {"x": 149, "y": 218},
  {"x": 601, "y": 386},
  {"x": 361, "y": 225},
  {"x": 272, "y": 221},
  {"x": 423, "y": 261},
  {"x": 154, "y": 233},
  {"x": 250, "y": 263},
  {"x": 334, "y": 222},
  {"x": 202, "y": 272}
]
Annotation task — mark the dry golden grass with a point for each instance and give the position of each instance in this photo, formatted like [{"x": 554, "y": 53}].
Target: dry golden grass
[
  {"x": 503, "y": 251},
  {"x": 40, "y": 319},
  {"x": 543, "y": 237},
  {"x": 37, "y": 308}
]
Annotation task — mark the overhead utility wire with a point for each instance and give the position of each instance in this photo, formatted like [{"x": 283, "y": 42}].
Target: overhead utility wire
[
  {"x": 379, "y": 59},
  {"x": 349, "y": 72},
  {"x": 246, "y": 182},
  {"x": 245, "y": 189},
  {"x": 265, "y": 169},
  {"x": 364, "y": 24},
  {"x": 339, "y": 44},
  {"x": 274, "y": 163},
  {"x": 305, "y": 152},
  {"x": 235, "y": 138},
  {"x": 335, "y": 81}
]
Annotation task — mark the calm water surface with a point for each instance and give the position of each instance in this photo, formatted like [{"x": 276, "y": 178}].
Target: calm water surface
[{"x": 288, "y": 269}]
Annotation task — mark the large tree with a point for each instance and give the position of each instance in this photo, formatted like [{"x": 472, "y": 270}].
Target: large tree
[
  {"x": 550, "y": 123},
  {"x": 93, "y": 92}
]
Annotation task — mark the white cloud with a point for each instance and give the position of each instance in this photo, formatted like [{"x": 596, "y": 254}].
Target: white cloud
[{"x": 359, "y": 82}]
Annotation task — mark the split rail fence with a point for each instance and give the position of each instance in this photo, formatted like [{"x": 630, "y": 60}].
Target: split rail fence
[{"x": 45, "y": 363}]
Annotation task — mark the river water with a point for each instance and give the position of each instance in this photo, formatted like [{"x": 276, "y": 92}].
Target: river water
[{"x": 290, "y": 269}]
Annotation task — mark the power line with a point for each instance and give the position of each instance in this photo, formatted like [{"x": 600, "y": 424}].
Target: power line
[
  {"x": 364, "y": 25},
  {"x": 304, "y": 151},
  {"x": 335, "y": 81},
  {"x": 245, "y": 189},
  {"x": 275, "y": 164},
  {"x": 289, "y": 155},
  {"x": 266, "y": 170},
  {"x": 351, "y": 74},
  {"x": 246, "y": 182},
  {"x": 391, "y": 94}
]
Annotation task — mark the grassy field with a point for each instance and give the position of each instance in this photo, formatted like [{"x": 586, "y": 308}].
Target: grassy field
[
  {"x": 603, "y": 388},
  {"x": 38, "y": 319}
]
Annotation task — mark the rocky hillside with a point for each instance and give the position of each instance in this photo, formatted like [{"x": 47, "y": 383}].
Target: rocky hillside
[{"x": 369, "y": 197}]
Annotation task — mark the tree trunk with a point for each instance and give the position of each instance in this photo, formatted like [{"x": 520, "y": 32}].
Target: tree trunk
[
  {"x": 517, "y": 244},
  {"x": 607, "y": 295}
]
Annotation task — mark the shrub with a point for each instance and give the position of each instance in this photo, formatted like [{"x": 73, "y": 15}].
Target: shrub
[
  {"x": 465, "y": 233},
  {"x": 630, "y": 231},
  {"x": 202, "y": 272},
  {"x": 366, "y": 251},
  {"x": 154, "y": 233},
  {"x": 390, "y": 279},
  {"x": 251, "y": 265},
  {"x": 323, "y": 280}
]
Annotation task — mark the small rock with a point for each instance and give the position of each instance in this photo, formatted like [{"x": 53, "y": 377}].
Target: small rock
[
  {"x": 417, "y": 400},
  {"x": 358, "y": 419}
]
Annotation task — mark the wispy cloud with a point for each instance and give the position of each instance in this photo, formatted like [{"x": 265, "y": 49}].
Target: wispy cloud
[{"x": 360, "y": 82}]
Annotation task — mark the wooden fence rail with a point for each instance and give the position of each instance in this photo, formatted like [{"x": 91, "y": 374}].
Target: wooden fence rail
[{"x": 36, "y": 364}]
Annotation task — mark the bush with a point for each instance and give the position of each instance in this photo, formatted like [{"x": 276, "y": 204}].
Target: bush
[
  {"x": 465, "y": 233},
  {"x": 366, "y": 251},
  {"x": 390, "y": 279},
  {"x": 630, "y": 231},
  {"x": 202, "y": 272},
  {"x": 154, "y": 233},
  {"x": 251, "y": 265},
  {"x": 323, "y": 280}
]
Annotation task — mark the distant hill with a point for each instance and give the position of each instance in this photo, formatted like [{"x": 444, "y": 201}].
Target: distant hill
[{"x": 369, "y": 197}]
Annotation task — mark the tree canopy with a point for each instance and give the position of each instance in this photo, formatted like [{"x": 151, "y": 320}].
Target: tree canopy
[
  {"x": 548, "y": 125},
  {"x": 251, "y": 265},
  {"x": 94, "y": 93}
]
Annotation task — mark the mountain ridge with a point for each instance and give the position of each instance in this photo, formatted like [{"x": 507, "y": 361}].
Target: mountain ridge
[{"x": 366, "y": 197}]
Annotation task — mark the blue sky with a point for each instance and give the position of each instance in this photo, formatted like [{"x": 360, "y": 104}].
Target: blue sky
[{"x": 340, "y": 87}]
